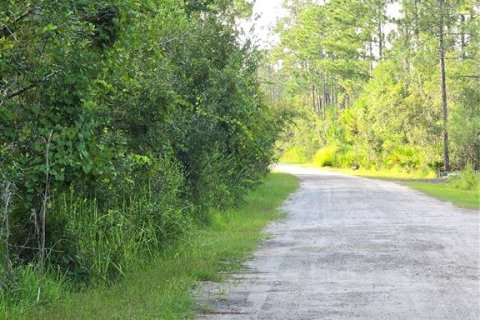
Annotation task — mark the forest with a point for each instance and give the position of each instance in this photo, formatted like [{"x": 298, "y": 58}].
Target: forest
[
  {"x": 125, "y": 123},
  {"x": 122, "y": 123},
  {"x": 380, "y": 85}
]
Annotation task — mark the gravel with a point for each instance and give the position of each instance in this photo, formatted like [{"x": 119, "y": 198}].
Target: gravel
[{"x": 354, "y": 248}]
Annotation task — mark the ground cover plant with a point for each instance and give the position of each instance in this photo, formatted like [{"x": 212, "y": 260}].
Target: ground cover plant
[{"x": 161, "y": 289}]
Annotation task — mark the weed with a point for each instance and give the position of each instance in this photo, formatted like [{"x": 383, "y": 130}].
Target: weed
[
  {"x": 160, "y": 288},
  {"x": 468, "y": 179}
]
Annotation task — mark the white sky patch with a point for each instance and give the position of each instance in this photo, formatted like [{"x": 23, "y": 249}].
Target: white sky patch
[
  {"x": 265, "y": 16},
  {"x": 260, "y": 27}
]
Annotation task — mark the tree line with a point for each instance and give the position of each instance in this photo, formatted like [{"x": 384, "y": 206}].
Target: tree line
[
  {"x": 122, "y": 123},
  {"x": 380, "y": 84}
]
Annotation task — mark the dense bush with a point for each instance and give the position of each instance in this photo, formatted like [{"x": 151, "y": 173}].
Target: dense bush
[
  {"x": 326, "y": 157},
  {"x": 121, "y": 124},
  {"x": 293, "y": 155}
]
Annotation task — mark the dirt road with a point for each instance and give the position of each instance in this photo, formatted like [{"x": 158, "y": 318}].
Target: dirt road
[{"x": 353, "y": 248}]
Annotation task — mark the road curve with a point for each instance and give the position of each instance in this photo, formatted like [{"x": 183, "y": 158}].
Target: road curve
[{"x": 354, "y": 248}]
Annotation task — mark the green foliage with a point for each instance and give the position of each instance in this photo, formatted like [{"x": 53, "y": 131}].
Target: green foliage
[
  {"x": 293, "y": 156},
  {"x": 94, "y": 243},
  {"x": 300, "y": 140},
  {"x": 30, "y": 289},
  {"x": 162, "y": 287},
  {"x": 382, "y": 105},
  {"x": 468, "y": 179},
  {"x": 326, "y": 157},
  {"x": 407, "y": 157},
  {"x": 122, "y": 124},
  {"x": 347, "y": 158},
  {"x": 465, "y": 126}
]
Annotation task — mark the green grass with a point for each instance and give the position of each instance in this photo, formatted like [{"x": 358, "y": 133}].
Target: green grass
[
  {"x": 161, "y": 289},
  {"x": 443, "y": 191}
]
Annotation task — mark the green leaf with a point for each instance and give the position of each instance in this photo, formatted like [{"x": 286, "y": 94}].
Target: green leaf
[{"x": 49, "y": 27}]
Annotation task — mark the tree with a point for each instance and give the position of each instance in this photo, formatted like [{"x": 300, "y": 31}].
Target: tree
[
  {"x": 119, "y": 105},
  {"x": 441, "y": 35},
  {"x": 397, "y": 96}
]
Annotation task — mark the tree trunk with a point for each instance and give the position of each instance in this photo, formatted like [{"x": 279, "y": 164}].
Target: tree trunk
[
  {"x": 7, "y": 196},
  {"x": 372, "y": 58},
  {"x": 446, "y": 156},
  {"x": 380, "y": 39},
  {"x": 462, "y": 36}
]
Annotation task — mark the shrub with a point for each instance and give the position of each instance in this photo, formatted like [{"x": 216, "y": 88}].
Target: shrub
[
  {"x": 407, "y": 157},
  {"x": 468, "y": 179},
  {"x": 96, "y": 242},
  {"x": 346, "y": 158},
  {"x": 293, "y": 155},
  {"x": 115, "y": 149},
  {"x": 326, "y": 157}
]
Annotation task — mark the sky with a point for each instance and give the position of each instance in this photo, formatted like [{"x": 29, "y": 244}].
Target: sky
[{"x": 266, "y": 13}]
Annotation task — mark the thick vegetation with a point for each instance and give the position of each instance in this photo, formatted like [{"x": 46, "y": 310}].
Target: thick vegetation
[
  {"x": 162, "y": 288},
  {"x": 122, "y": 123},
  {"x": 382, "y": 85}
]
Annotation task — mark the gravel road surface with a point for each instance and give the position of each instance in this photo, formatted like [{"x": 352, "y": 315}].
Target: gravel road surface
[{"x": 354, "y": 248}]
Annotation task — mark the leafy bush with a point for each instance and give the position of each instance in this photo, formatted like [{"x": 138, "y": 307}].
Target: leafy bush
[
  {"x": 465, "y": 127},
  {"x": 346, "y": 158},
  {"x": 326, "y": 157},
  {"x": 293, "y": 156},
  {"x": 121, "y": 126},
  {"x": 407, "y": 157},
  {"x": 95, "y": 241}
]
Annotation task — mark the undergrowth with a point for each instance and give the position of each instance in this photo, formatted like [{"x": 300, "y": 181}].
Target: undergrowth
[
  {"x": 157, "y": 287},
  {"x": 468, "y": 179}
]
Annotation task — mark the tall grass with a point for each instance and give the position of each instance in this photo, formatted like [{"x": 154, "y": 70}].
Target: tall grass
[
  {"x": 468, "y": 179},
  {"x": 108, "y": 241},
  {"x": 106, "y": 246},
  {"x": 97, "y": 245},
  {"x": 30, "y": 289},
  {"x": 161, "y": 288}
]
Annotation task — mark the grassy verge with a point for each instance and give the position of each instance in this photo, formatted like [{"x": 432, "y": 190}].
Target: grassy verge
[
  {"x": 443, "y": 191},
  {"x": 161, "y": 290}
]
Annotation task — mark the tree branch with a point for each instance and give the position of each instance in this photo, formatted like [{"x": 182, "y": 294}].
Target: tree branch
[
  {"x": 5, "y": 30},
  {"x": 25, "y": 89}
]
